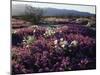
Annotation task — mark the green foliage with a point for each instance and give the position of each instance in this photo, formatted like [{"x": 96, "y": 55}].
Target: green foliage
[
  {"x": 32, "y": 15},
  {"x": 30, "y": 39}
]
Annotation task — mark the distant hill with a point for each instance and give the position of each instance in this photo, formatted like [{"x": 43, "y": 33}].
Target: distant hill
[
  {"x": 64, "y": 12},
  {"x": 20, "y": 9}
]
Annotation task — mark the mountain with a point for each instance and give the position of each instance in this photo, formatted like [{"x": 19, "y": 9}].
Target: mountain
[
  {"x": 20, "y": 9},
  {"x": 64, "y": 12}
]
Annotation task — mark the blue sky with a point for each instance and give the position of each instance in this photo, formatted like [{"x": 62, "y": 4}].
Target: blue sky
[{"x": 90, "y": 9}]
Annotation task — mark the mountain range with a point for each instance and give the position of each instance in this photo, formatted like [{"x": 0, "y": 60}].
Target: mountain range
[{"x": 20, "y": 9}]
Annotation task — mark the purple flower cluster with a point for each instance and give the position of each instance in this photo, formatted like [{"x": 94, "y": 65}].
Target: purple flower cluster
[{"x": 41, "y": 49}]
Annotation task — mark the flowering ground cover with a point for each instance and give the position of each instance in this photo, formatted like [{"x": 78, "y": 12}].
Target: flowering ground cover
[{"x": 68, "y": 47}]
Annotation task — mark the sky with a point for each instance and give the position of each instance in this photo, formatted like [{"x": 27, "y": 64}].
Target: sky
[{"x": 82, "y": 8}]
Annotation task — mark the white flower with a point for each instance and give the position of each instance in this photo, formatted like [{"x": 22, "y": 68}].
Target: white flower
[
  {"x": 33, "y": 30},
  {"x": 27, "y": 46},
  {"x": 63, "y": 45},
  {"x": 15, "y": 31},
  {"x": 74, "y": 43},
  {"x": 61, "y": 39},
  {"x": 56, "y": 41},
  {"x": 24, "y": 40},
  {"x": 65, "y": 42},
  {"x": 44, "y": 34},
  {"x": 54, "y": 32}
]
